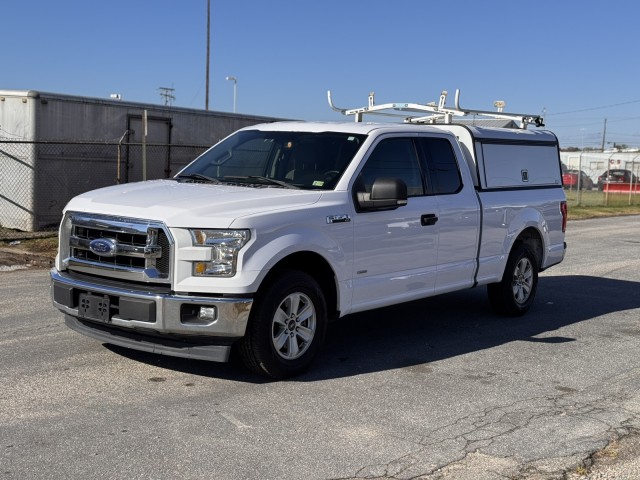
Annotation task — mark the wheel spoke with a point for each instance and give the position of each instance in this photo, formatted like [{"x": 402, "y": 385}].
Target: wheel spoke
[
  {"x": 306, "y": 334},
  {"x": 294, "y": 303},
  {"x": 306, "y": 313},
  {"x": 294, "y": 350},
  {"x": 281, "y": 317},
  {"x": 280, "y": 339},
  {"x": 516, "y": 292}
]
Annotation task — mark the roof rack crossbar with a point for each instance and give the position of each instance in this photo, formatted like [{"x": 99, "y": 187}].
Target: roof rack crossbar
[{"x": 439, "y": 112}]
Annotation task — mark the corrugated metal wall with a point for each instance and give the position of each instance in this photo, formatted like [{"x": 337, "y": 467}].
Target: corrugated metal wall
[{"x": 53, "y": 147}]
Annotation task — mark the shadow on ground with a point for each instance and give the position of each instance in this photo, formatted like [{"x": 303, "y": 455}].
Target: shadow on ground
[{"x": 436, "y": 328}]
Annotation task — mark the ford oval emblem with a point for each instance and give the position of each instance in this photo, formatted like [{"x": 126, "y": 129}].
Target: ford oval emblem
[{"x": 105, "y": 247}]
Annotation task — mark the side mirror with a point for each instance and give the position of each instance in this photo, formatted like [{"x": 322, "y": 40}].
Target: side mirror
[{"x": 386, "y": 194}]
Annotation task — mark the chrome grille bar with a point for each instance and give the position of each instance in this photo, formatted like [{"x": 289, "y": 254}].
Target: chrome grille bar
[
  {"x": 147, "y": 251},
  {"x": 118, "y": 247}
]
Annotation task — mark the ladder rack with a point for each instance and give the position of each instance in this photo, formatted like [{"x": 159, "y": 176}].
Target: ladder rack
[{"x": 438, "y": 112}]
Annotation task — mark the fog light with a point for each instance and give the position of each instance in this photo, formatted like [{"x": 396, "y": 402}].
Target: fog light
[{"x": 207, "y": 313}]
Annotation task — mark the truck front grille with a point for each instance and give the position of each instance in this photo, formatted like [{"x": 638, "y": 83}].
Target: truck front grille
[{"x": 117, "y": 247}]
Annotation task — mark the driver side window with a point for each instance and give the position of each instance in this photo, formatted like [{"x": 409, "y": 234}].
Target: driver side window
[{"x": 394, "y": 158}]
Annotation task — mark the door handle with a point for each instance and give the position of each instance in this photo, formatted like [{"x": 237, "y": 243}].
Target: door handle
[{"x": 428, "y": 219}]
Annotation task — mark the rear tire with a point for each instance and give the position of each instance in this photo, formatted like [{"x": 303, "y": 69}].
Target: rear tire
[
  {"x": 286, "y": 327},
  {"x": 516, "y": 292}
]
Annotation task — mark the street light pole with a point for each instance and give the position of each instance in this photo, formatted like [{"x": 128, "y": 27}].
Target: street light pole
[
  {"x": 235, "y": 90},
  {"x": 206, "y": 99}
]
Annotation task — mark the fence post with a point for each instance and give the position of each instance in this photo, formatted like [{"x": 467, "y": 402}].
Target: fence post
[
  {"x": 579, "y": 182},
  {"x": 118, "y": 179},
  {"x": 144, "y": 146},
  {"x": 605, "y": 186},
  {"x": 632, "y": 186}
]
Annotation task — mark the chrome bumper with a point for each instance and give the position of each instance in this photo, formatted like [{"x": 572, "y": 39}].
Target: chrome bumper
[{"x": 151, "y": 321}]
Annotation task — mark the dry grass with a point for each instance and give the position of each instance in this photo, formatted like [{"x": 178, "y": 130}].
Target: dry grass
[
  {"x": 593, "y": 204},
  {"x": 582, "y": 212}
]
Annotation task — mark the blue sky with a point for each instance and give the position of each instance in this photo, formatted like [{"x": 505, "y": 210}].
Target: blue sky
[{"x": 577, "y": 61}]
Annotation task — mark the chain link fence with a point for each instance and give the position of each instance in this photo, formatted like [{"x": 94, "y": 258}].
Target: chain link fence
[
  {"x": 597, "y": 179},
  {"x": 37, "y": 179}
]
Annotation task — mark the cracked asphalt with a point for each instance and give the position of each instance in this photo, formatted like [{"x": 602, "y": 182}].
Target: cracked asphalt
[{"x": 435, "y": 389}]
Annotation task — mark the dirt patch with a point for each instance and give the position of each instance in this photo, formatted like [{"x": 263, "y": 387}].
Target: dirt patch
[
  {"x": 23, "y": 250},
  {"x": 15, "y": 259}
]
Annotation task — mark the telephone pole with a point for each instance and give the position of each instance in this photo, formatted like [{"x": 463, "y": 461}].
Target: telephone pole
[{"x": 604, "y": 133}]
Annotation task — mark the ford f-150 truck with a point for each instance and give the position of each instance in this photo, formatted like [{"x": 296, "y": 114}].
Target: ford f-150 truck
[{"x": 282, "y": 227}]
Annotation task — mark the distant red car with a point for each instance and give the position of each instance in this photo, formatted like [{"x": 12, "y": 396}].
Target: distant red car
[
  {"x": 622, "y": 179},
  {"x": 573, "y": 179}
]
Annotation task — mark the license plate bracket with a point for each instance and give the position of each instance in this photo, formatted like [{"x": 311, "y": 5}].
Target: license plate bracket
[{"x": 94, "y": 307}]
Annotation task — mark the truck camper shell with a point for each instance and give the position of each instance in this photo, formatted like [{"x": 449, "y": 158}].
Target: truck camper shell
[{"x": 509, "y": 158}]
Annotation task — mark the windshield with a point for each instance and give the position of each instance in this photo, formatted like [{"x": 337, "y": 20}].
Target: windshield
[{"x": 304, "y": 160}]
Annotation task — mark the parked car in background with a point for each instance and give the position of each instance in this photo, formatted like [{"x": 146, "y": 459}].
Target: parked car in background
[
  {"x": 616, "y": 176},
  {"x": 574, "y": 179}
]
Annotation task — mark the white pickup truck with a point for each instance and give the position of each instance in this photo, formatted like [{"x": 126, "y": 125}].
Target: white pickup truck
[{"x": 282, "y": 227}]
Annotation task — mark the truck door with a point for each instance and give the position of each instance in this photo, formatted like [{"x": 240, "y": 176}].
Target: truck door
[
  {"x": 395, "y": 250},
  {"x": 458, "y": 213}
]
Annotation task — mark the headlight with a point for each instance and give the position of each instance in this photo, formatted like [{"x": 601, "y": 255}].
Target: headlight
[
  {"x": 225, "y": 245},
  {"x": 64, "y": 235}
]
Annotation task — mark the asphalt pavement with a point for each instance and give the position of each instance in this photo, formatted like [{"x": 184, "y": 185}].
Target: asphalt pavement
[{"x": 436, "y": 389}]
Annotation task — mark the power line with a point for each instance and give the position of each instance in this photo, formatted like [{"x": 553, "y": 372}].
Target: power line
[
  {"x": 595, "y": 108},
  {"x": 599, "y": 122}
]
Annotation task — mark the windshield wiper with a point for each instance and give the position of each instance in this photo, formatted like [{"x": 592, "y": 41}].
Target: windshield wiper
[
  {"x": 262, "y": 179},
  {"x": 197, "y": 176}
]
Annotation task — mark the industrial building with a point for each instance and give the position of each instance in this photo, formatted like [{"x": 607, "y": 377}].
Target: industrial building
[{"x": 54, "y": 146}]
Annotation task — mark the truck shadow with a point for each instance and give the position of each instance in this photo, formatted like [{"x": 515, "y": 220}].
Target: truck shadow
[
  {"x": 417, "y": 333},
  {"x": 458, "y": 323}
]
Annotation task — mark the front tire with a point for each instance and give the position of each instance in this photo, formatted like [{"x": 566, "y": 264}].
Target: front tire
[
  {"x": 516, "y": 292},
  {"x": 286, "y": 327}
]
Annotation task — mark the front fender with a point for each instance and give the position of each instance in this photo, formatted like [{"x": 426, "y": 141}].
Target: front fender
[{"x": 269, "y": 250}]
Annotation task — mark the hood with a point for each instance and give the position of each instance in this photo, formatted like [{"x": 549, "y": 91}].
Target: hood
[{"x": 184, "y": 205}]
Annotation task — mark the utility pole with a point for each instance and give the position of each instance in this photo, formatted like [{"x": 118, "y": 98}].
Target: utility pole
[
  {"x": 604, "y": 133},
  {"x": 167, "y": 94},
  {"x": 206, "y": 101}
]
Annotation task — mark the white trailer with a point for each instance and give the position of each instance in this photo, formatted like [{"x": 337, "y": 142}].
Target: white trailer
[{"x": 42, "y": 166}]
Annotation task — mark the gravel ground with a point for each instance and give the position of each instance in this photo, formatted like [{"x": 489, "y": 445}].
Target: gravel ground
[{"x": 620, "y": 460}]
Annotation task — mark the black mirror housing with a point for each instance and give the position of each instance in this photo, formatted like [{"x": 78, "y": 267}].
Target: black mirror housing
[{"x": 386, "y": 194}]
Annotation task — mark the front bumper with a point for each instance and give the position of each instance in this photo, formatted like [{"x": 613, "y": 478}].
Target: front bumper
[{"x": 154, "y": 320}]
